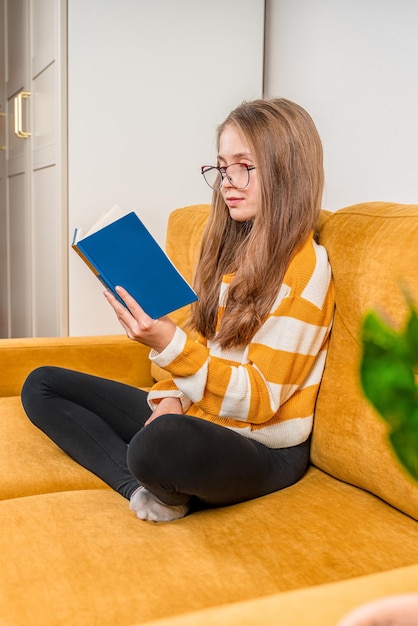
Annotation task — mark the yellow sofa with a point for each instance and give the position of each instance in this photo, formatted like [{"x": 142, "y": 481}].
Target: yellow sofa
[{"x": 72, "y": 553}]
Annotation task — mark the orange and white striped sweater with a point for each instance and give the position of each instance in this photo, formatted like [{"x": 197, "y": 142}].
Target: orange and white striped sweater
[{"x": 266, "y": 390}]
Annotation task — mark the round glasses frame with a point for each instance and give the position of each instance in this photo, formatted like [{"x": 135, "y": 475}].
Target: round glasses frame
[{"x": 208, "y": 170}]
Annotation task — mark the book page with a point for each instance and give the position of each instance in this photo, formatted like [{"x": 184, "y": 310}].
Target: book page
[{"x": 105, "y": 219}]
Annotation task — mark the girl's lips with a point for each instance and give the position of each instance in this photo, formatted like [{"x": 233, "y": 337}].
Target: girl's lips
[{"x": 233, "y": 201}]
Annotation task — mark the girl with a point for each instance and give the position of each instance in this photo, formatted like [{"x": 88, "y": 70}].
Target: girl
[{"x": 234, "y": 420}]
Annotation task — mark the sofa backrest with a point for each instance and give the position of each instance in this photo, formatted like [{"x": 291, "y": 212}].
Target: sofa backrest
[{"x": 373, "y": 251}]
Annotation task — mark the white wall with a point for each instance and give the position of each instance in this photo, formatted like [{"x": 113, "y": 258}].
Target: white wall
[
  {"x": 353, "y": 64},
  {"x": 148, "y": 82}
]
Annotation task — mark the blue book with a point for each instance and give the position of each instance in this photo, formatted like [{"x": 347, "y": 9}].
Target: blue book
[{"x": 124, "y": 253}]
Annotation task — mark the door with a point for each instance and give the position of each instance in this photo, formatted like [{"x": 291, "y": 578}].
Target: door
[
  {"x": 36, "y": 196},
  {"x": 17, "y": 170},
  {"x": 4, "y": 298}
]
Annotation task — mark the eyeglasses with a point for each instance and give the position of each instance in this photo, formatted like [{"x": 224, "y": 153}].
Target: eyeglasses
[{"x": 238, "y": 175}]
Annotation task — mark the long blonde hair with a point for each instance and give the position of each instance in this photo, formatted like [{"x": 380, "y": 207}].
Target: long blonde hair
[{"x": 287, "y": 152}]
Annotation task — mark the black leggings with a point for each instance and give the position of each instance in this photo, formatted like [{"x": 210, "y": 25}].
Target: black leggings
[{"x": 100, "y": 424}]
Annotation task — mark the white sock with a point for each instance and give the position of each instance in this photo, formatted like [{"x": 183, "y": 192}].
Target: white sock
[{"x": 148, "y": 507}]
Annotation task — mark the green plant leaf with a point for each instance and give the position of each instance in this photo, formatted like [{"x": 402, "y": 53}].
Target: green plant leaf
[
  {"x": 412, "y": 336},
  {"x": 405, "y": 443},
  {"x": 387, "y": 374}
]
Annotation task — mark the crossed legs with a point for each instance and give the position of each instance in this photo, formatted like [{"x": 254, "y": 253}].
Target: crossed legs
[{"x": 175, "y": 459}]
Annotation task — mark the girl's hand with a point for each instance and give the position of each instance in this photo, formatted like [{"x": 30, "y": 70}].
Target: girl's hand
[
  {"x": 139, "y": 326},
  {"x": 166, "y": 406}
]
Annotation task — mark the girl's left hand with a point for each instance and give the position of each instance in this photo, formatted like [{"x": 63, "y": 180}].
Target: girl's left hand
[
  {"x": 139, "y": 326},
  {"x": 171, "y": 406}
]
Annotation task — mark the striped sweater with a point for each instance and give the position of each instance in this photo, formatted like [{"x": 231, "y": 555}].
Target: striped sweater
[{"x": 267, "y": 389}]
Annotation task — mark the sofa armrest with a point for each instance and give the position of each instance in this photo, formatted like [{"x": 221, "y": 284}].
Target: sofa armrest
[{"x": 112, "y": 356}]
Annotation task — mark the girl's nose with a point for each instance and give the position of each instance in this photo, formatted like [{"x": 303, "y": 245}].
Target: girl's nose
[{"x": 226, "y": 182}]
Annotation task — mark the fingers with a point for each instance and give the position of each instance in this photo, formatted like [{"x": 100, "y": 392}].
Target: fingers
[
  {"x": 132, "y": 310},
  {"x": 135, "y": 322},
  {"x": 151, "y": 419},
  {"x": 139, "y": 326},
  {"x": 135, "y": 310},
  {"x": 130, "y": 302}
]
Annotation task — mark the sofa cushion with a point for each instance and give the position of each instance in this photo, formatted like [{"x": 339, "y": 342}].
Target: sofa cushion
[
  {"x": 322, "y": 605},
  {"x": 30, "y": 463},
  {"x": 82, "y": 557},
  {"x": 373, "y": 252}
]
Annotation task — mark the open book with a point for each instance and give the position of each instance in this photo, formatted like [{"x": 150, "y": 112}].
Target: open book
[{"x": 120, "y": 251}]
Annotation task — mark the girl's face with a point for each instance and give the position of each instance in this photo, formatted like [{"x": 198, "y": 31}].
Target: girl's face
[{"x": 243, "y": 204}]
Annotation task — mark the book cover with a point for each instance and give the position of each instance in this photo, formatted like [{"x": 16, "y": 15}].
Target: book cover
[{"x": 125, "y": 253}]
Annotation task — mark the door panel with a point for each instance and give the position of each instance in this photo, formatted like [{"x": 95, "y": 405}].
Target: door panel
[
  {"x": 47, "y": 272},
  {"x": 4, "y": 263},
  {"x": 44, "y": 34},
  {"x": 17, "y": 42},
  {"x": 49, "y": 210},
  {"x": 20, "y": 257},
  {"x": 44, "y": 104}
]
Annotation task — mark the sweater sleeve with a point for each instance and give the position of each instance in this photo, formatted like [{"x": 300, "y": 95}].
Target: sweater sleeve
[{"x": 183, "y": 358}]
